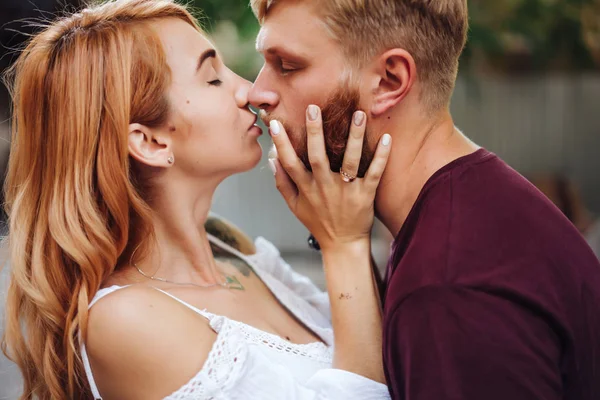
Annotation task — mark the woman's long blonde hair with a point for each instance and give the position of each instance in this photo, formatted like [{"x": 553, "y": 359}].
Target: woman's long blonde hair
[{"x": 75, "y": 211}]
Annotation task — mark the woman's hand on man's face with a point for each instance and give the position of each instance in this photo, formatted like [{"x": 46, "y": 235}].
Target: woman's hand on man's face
[{"x": 337, "y": 208}]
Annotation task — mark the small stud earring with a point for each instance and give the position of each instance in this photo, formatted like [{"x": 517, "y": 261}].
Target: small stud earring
[{"x": 171, "y": 160}]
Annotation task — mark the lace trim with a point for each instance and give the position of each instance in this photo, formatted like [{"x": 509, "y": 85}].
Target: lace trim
[
  {"x": 316, "y": 351},
  {"x": 229, "y": 352},
  {"x": 222, "y": 368}
]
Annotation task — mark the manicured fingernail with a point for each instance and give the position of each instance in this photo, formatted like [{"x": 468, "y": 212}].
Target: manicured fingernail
[
  {"x": 359, "y": 117},
  {"x": 275, "y": 127},
  {"x": 313, "y": 112},
  {"x": 273, "y": 166},
  {"x": 386, "y": 140}
]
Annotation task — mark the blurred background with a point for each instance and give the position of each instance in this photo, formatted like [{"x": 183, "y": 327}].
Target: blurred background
[{"x": 528, "y": 90}]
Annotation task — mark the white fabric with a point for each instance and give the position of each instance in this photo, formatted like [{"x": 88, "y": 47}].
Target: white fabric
[{"x": 250, "y": 364}]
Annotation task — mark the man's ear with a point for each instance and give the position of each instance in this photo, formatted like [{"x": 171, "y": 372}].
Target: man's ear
[
  {"x": 150, "y": 146},
  {"x": 395, "y": 72}
]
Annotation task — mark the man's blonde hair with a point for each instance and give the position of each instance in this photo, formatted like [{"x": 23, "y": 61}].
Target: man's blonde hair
[{"x": 434, "y": 32}]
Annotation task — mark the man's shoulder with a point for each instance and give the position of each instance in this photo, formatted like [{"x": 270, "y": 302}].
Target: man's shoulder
[{"x": 480, "y": 226}]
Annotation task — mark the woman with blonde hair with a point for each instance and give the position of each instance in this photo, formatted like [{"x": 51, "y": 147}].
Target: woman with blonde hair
[{"x": 125, "y": 121}]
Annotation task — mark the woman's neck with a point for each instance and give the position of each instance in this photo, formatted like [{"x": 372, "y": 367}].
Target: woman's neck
[{"x": 181, "y": 252}]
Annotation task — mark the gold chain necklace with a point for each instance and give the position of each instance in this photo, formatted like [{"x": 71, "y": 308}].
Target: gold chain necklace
[{"x": 231, "y": 282}]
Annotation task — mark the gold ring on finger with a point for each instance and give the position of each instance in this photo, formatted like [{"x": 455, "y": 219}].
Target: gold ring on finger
[{"x": 346, "y": 177}]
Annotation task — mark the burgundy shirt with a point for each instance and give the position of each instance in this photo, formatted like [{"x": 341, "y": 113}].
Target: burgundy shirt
[{"x": 492, "y": 294}]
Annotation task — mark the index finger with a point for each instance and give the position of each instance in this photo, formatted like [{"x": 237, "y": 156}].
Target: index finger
[
  {"x": 317, "y": 156},
  {"x": 287, "y": 155}
]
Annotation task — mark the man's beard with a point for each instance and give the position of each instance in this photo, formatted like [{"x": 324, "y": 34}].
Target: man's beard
[{"x": 337, "y": 115}]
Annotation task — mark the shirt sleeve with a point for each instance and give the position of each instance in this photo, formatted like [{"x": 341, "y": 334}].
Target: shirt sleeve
[
  {"x": 450, "y": 342},
  {"x": 340, "y": 384},
  {"x": 273, "y": 263},
  {"x": 265, "y": 379}
]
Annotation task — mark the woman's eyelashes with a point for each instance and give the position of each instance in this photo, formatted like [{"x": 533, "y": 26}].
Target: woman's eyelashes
[{"x": 215, "y": 82}]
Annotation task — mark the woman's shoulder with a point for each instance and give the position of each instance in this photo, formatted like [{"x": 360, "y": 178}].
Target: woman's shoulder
[{"x": 134, "y": 332}]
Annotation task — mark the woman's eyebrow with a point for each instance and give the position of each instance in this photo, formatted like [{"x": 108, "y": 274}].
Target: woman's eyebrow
[{"x": 210, "y": 53}]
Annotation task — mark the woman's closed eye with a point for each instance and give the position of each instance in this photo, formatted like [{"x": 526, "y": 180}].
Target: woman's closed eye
[{"x": 215, "y": 82}]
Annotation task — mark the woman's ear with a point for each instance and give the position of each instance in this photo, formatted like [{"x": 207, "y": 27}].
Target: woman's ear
[
  {"x": 395, "y": 72},
  {"x": 150, "y": 146}
]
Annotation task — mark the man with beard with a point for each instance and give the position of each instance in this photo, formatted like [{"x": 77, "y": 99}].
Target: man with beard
[{"x": 491, "y": 292}]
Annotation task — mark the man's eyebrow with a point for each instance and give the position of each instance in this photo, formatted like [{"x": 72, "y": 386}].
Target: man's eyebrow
[
  {"x": 281, "y": 52},
  {"x": 210, "y": 53}
]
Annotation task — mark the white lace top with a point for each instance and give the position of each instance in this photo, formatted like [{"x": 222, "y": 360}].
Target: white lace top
[{"x": 250, "y": 364}]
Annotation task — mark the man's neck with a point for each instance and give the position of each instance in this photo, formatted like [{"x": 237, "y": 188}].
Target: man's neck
[{"x": 420, "y": 147}]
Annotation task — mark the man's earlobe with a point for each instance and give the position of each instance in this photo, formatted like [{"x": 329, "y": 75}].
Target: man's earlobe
[{"x": 397, "y": 72}]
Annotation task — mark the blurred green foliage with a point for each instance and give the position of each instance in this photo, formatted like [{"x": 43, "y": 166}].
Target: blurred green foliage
[
  {"x": 533, "y": 35},
  {"x": 233, "y": 28},
  {"x": 505, "y": 35},
  {"x": 236, "y": 11}
]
